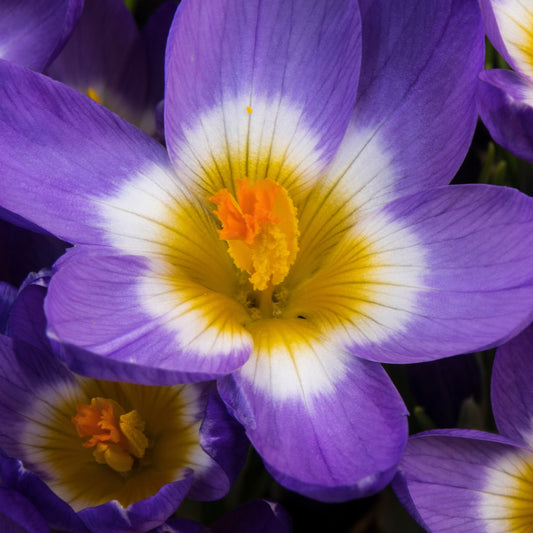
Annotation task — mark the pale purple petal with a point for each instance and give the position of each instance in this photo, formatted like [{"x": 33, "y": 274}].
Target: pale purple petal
[
  {"x": 455, "y": 267},
  {"x": 449, "y": 480},
  {"x": 415, "y": 112},
  {"x": 223, "y": 438},
  {"x": 32, "y": 33},
  {"x": 511, "y": 390},
  {"x": 105, "y": 305},
  {"x": 505, "y": 101},
  {"x": 63, "y": 155},
  {"x": 332, "y": 442},
  {"x": 256, "y": 82}
]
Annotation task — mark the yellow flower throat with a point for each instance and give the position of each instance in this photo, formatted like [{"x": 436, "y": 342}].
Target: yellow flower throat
[{"x": 261, "y": 229}]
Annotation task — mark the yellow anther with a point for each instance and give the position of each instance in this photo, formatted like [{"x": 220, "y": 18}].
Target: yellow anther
[
  {"x": 249, "y": 109},
  {"x": 118, "y": 437},
  {"x": 261, "y": 229}
]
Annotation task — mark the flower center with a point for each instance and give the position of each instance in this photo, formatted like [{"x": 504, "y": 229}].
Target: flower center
[
  {"x": 261, "y": 229},
  {"x": 118, "y": 437}
]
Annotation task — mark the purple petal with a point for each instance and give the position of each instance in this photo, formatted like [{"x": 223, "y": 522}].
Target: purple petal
[
  {"x": 30, "y": 370},
  {"x": 223, "y": 438},
  {"x": 505, "y": 101},
  {"x": 63, "y": 155},
  {"x": 443, "y": 266},
  {"x": 18, "y": 515},
  {"x": 329, "y": 438},
  {"x": 27, "y": 321},
  {"x": 511, "y": 391},
  {"x": 154, "y": 35},
  {"x": 32, "y": 33},
  {"x": 55, "y": 511},
  {"x": 457, "y": 481},
  {"x": 259, "y": 87},
  {"x": 415, "y": 112},
  {"x": 7, "y": 297},
  {"x": 137, "y": 328},
  {"x": 105, "y": 54},
  {"x": 141, "y": 516}
]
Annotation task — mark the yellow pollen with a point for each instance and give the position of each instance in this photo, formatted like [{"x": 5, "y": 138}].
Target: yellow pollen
[
  {"x": 261, "y": 229},
  {"x": 249, "y": 109},
  {"x": 91, "y": 93},
  {"x": 116, "y": 444}
]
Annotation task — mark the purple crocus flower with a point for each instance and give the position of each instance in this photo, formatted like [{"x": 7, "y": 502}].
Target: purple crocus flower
[
  {"x": 108, "y": 59},
  {"x": 299, "y": 232},
  {"x": 506, "y": 96},
  {"x": 33, "y": 33},
  {"x": 94, "y": 455},
  {"x": 476, "y": 482}
]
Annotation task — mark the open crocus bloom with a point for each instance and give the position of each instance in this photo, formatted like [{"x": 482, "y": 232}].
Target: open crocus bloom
[
  {"x": 506, "y": 96},
  {"x": 94, "y": 455},
  {"x": 299, "y": 232},
  {"x": 475, "y": 482}
]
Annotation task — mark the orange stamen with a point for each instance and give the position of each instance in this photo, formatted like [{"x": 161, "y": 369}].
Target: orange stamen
[
  {"x": 261, "y": 229},
  {"x": 118, "y": 436}
]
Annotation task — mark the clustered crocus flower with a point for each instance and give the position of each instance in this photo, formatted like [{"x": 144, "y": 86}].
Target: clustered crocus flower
[
  {"x": 110, "y": 60},
  {"x": 295, "y": 230},
  {"x": 94, "y": 455},
  {"x": 473, "y": 481},
  {"x": 506, "y": 96}
]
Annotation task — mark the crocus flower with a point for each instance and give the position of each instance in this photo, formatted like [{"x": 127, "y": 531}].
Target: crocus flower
[
  {"x": 33, "y": 33},
  {"x": 94, "y": 455},
  {"x": 110, "y": 60},
  {"x": 506, "y": 96},
  {"x": 298, "y": 232},
  {"x": 472, "y": 481}
]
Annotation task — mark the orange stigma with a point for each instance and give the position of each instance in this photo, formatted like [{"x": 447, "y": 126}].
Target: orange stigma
[
  {"x": 118, "y": 437},
  {"x": 261, "y": 229}
]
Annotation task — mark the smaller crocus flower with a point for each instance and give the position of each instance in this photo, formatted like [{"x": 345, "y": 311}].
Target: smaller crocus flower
[
  {"x": 95, "y": 455},
  {"x": 505, "y": 97},
  {"x": 33, "y": 33},
  {"x": 472, "y": 481},
  {"x": 111, "y": 61}
]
